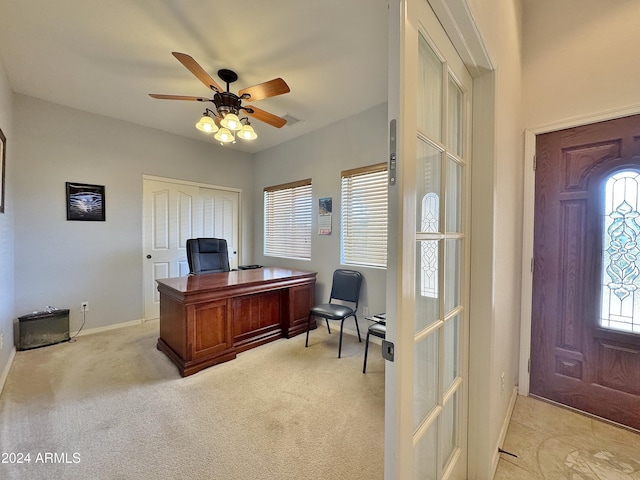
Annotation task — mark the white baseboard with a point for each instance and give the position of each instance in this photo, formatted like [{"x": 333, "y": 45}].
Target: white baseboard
[
  {"x": 7, "y": 367},
  {"x": 115, "y": 326},
  {"x": 503, "y": 430}
]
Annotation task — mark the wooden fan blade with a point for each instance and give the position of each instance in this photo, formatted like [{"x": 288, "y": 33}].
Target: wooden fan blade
[
  {"x": 266, "y": 117},
  {"x": 179, "y": 97},
  {"x": 274, "y": 87},
  {"x": 197, "y": 70}
]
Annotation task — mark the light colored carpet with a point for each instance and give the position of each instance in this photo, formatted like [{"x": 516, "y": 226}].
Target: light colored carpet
[{"x": 111, "y": 406}]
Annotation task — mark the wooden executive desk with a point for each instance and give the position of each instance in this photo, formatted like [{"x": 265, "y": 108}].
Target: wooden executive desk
[{"x": 207, "y": 319}]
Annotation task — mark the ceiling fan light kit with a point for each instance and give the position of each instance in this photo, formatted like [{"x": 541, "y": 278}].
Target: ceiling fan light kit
[
  {"x": 206, "y": 124},
  {"x": 247, "y": 132},
  {"x": 231, "y": 121},
  {"x": 224, "y": 121},
  {"x": 224, "y": 136}
]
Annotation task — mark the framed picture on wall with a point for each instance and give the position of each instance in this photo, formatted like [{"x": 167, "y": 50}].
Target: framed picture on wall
[
  {"x": 85, "y": 202},
  {"x": 3, "y": 160}
]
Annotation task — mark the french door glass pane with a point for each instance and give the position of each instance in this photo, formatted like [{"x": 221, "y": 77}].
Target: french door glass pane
[
  {"x": 428, "y": 188},
  {"x": 429, "y": 91},
  {"x": 449, "y": 428},
  {"x": 427, "y": 290},
  {"x": 452, "y": 262},
  {"x": 453, "y": 219},
  {"x": 424, "y": 456},
  {"x": 451, "y": 351},
  {"x": 425, "y": 378},
  {"x": 454, "y": 133}
]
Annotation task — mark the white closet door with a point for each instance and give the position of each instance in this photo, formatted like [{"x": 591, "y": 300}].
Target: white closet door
[{"x": 173, "y": 212}]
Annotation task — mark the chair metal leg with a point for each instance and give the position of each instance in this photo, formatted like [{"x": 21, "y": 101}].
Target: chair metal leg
[
  {"x": 357, "y": 328},
  {"x": 366, "y": 351},
  {"x": 306, "y": 343},
  {"x": 328, "y": 329},
  {"x": 340, "y": 344}
]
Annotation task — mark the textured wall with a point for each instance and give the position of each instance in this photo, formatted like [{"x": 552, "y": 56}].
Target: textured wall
[{"x": 63, "y": 263}]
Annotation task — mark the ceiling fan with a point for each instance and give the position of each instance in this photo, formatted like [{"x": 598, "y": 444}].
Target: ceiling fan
[{"x": 224, "y": 120}]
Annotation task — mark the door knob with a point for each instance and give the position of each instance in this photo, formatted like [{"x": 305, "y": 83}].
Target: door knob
[{"x": 148, "y": 256}]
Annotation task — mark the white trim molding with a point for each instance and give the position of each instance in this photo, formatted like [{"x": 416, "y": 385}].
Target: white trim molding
[
  {"x": 457, "y": 20},
  {"x": 115, "y": 326},
  {"x": 505, "y": 427}
]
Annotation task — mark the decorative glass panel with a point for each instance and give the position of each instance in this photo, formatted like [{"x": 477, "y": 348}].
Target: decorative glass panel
[
  {"x": 449, "y": 429},
  {"x": 454, "y": 134},
  {"x": 429, "y": 91},
  {"x": 424, "y": 455},
  {"x": 451, "y": 351},
  {"x": 427, "y": 296},
  {"x": 452, "y": 264},
  {"x": 620, "y": 265},
  {"x": 425, "y": 378},
  {"x": 453, "y": 218},
  {"x": 428, "y": 188}
]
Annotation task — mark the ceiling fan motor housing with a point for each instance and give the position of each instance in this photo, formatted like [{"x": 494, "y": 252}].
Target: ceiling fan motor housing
[{"x": 227, "y": 102}]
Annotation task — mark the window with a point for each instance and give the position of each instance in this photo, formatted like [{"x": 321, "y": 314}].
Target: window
[
  {"x": 363, "y": 236},
  {"x": 287, "y": 220},
  {"x": 620, "y": 304}
]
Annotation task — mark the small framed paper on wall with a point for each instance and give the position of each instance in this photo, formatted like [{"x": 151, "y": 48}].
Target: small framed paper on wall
[{"x": 85, "y": 202}]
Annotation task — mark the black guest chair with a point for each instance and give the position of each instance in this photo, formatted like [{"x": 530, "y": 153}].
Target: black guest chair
[
  {"x": 207, "y": 255},
  {"x": 377, "y": 330},
  {"x": 346, "y": 288}
]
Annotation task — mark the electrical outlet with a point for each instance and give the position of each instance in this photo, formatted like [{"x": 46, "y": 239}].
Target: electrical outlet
[
  {"x": 502, "y": 382},
  {"x": 84, "y": 306},
  {"x": 365, "y": 311}
]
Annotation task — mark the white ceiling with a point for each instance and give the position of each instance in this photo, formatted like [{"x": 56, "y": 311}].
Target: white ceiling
[{"x": 105, "y": 57}]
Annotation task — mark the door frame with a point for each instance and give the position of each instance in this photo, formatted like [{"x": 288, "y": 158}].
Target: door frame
[{"x": 530, "y": 135}]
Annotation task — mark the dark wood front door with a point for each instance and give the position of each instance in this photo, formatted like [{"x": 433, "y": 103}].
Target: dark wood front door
[{"x": 585, "y": 347}]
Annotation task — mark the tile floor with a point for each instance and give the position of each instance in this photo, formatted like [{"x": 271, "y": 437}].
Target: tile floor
[{"x": 553, "y": 443}]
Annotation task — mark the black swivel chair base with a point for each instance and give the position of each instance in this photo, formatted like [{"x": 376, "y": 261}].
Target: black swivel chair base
[{"x": 377, "y": 330}]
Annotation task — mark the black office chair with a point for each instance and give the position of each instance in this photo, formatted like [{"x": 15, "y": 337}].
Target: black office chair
[
  {"x": 345, "y": 287},
  {"x": 377, "y": 330},
  {"x": 207, "y": 255}
]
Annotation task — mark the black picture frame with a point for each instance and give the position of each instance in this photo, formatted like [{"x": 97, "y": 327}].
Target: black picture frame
[
  {"x": 85, "y": 202},
  {"x": 3, "y": 161}
]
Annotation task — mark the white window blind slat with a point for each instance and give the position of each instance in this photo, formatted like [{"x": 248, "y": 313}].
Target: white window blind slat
[
  {"x": 363, "y": 236},
  {"x": 287, "y": 221}
]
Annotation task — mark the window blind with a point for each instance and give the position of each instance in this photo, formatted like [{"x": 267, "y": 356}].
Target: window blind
[
  {"x": 363, "y": 233},
  {"x": 287, "y": 220}
]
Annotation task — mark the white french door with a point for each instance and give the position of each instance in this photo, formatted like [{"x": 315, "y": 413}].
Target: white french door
[
  {"x": 427, "y": 276},
  {"x": 173, "y": 212}
]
